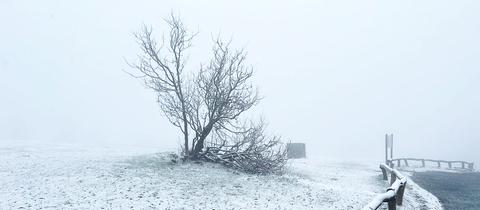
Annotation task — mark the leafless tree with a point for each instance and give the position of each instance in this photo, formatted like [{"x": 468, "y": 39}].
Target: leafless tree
[
  {"x": 161, "y": 66},
  {"x": 223, "y": 92},
  {"x": 211, "y": 101}
]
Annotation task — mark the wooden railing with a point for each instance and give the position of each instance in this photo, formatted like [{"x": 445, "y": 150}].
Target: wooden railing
[
  {"x": 394, "y": 194},
  {"x": 464, "y": 165}
]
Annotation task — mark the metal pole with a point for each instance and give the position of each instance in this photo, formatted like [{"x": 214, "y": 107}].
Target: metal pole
[
  {"x": 391, "y": 147},
  {"x": 386, "y": 149}
]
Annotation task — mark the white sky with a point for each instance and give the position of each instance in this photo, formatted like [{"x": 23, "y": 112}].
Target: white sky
[{"x": 337, "y": 75}]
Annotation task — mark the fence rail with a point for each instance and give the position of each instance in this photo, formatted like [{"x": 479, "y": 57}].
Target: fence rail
[
  {"x": 464, "y": 164},
  {"x": 394, "y": 194}
]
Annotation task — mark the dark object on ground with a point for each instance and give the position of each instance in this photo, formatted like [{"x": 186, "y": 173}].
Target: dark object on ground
[
  {"x": 296, "y": 150},
  {"x": 173, "y": 158}
]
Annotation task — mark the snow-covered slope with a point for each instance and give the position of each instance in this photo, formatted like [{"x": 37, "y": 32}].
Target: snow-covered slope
[
  {"x": 352, "y": 185},
  {"x": 73, "y": 177}
]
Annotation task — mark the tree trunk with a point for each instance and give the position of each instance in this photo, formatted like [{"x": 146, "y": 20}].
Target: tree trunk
[
  {"x": 200, "y": 143},
  {"x": 185, "y": 128}
]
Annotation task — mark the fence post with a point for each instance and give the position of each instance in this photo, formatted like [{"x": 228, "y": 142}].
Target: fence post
[
  {"x": 423, "y": 163},
  {"x": 384, "y": 172},
  {"x": 449, "y": 164},
  {"x": 393, "y": 178},
  {"x": 400, "y": 192},
  {"x": 398, "y": 163},
  {"x": 392, "y": 204},
  {"x": 463, "y": 165},
  {"x": 406, "y": 162},
  {"x": 438, "y": 162}
]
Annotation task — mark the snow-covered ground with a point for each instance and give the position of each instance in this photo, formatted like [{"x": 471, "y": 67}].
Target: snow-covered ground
[{"x": 75, "y": 177}]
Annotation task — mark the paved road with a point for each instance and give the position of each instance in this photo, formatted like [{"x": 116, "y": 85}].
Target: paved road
[{"x": 455, "y": 191}]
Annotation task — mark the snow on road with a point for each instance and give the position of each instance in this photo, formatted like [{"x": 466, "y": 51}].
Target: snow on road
[{"x": 74, "y": 177}]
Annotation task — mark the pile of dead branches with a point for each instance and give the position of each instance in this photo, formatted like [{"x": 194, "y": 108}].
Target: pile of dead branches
[{"x": 251, "y": 152}]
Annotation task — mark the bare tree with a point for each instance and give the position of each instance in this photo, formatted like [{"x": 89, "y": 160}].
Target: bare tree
[
  {"x": 161, "y": 66},
  {"x": 223, "y": 92},
  {"x": 210, "y": 102}
]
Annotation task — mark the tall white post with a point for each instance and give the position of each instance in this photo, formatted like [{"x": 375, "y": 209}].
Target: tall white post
[
  {"x": 386, "y": 149},
  {"x": 391, "y": 146}
]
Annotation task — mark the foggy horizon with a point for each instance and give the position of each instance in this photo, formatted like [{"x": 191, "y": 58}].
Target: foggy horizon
[{"x": 333, "y": 75}]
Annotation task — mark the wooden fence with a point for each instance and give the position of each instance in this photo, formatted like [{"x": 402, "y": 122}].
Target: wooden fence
[
  {"x": 461, "y": 164},
  {"x": 394, "y": 194}
]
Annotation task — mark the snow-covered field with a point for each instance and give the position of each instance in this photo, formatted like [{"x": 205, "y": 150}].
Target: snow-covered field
[{"x": 75, "y": 177}]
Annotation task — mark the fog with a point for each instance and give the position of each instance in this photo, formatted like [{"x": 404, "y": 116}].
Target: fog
[{"x": 336, "y": 75}]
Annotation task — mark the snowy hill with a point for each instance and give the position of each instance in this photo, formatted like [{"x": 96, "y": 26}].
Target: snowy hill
[{"x": 74, "y": 177}]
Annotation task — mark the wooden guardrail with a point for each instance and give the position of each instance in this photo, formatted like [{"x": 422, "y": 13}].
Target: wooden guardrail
[
  {"x": 464, "y": 165},
  {"x": 394, "y": 194}
]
